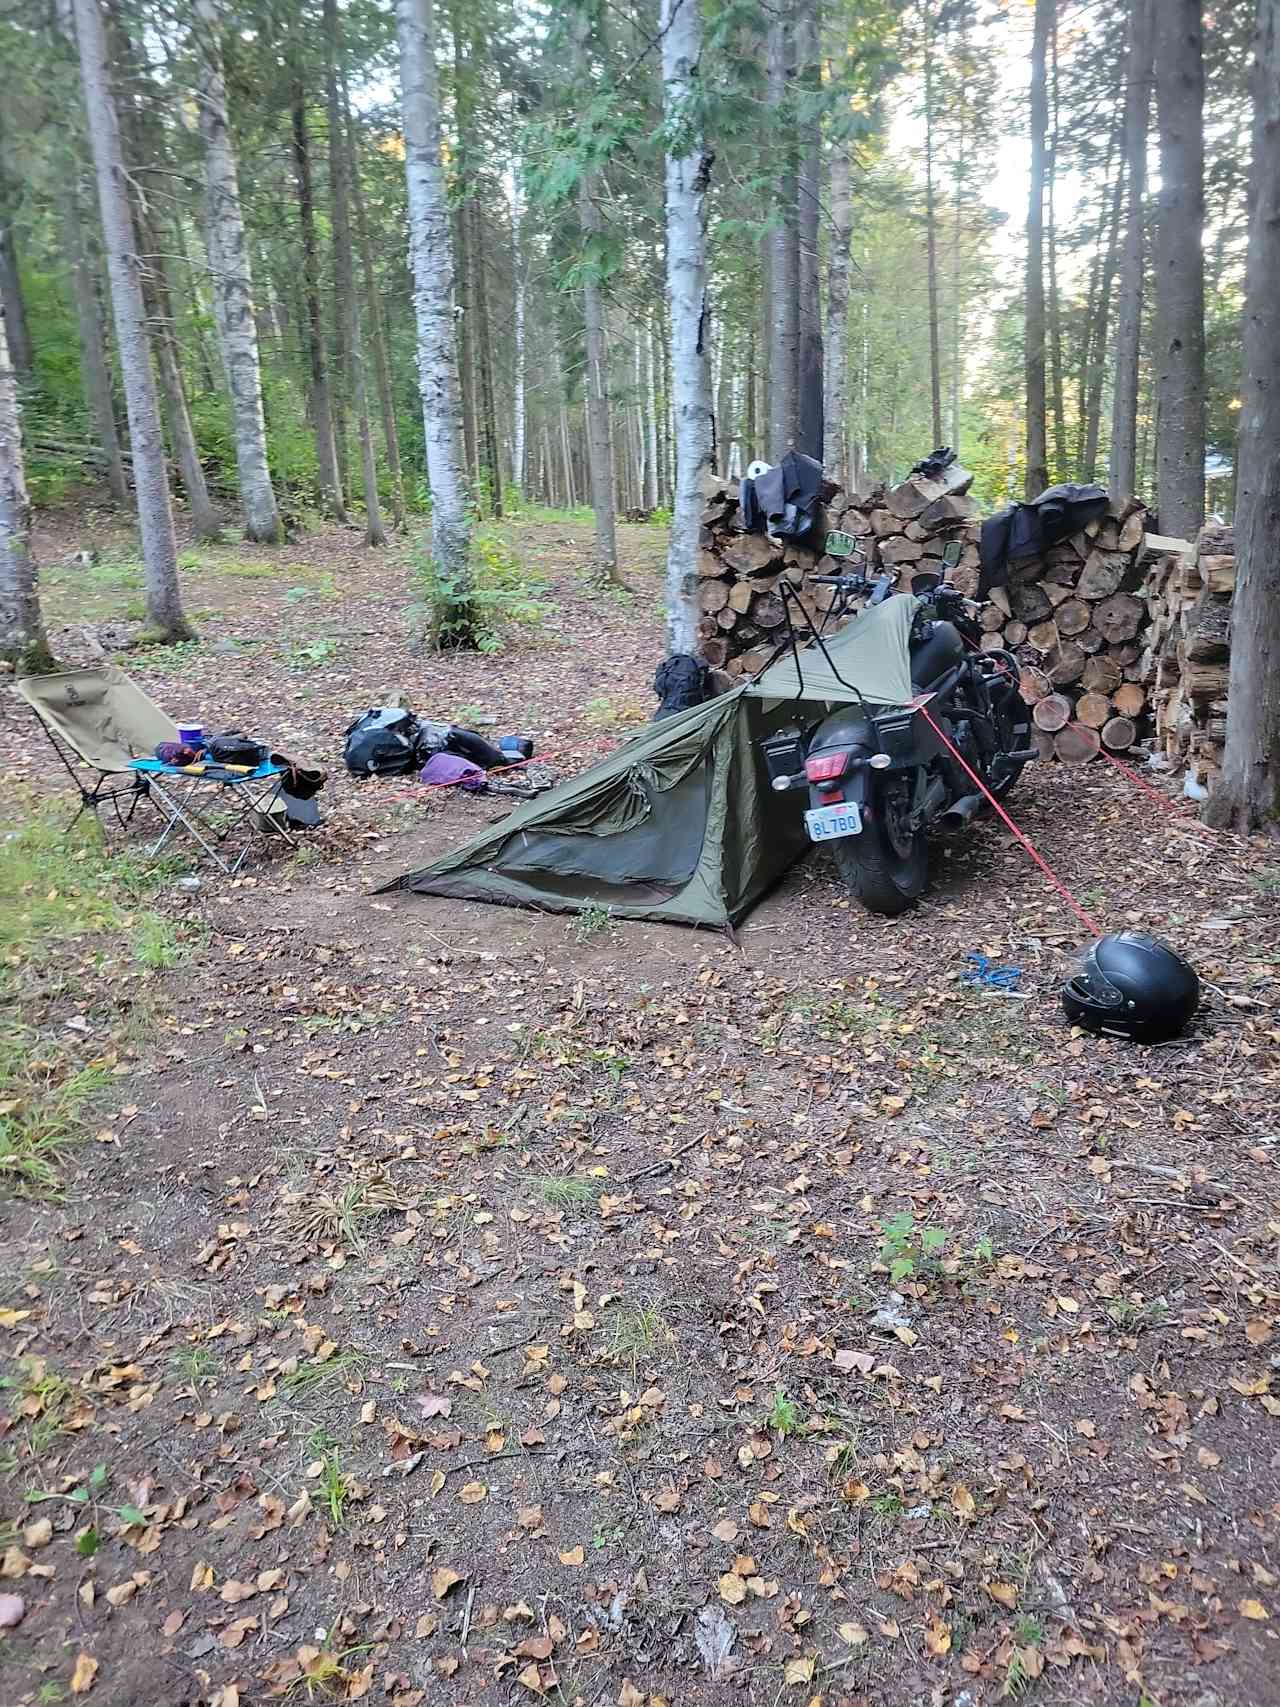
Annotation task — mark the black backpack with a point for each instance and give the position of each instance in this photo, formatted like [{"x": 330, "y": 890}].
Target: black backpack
[{"x": 382, "y": 742}]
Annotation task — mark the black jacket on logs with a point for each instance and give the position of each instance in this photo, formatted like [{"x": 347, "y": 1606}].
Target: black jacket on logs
[
  {"x": 1026, "y": 530},
  {"x": 785, "y": 501}
]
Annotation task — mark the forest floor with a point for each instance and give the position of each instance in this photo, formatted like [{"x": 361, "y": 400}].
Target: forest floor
[{"x": 413, "y": 1301}]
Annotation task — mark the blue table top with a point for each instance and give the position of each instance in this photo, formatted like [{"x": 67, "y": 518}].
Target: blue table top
[{"x": 214, "y": 772}]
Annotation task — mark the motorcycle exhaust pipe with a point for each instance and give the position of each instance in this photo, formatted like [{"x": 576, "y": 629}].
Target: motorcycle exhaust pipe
[
  {"x": 961, "y": 811},
  {"x": 935, "y": 794}
]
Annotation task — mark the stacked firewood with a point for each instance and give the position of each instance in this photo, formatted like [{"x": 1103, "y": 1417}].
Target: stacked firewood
[
  {"x": 740, "y": 575},
  {"x": 1188, "y": 651},
  {"x": 1074, "y": 620}
]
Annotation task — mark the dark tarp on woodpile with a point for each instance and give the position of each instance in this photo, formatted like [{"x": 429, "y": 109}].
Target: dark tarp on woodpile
[{"x": 680, "y": 823}]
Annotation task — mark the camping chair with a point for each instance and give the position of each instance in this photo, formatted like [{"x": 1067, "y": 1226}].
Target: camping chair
[
  {"x": 98, "y": 722},
  {"x": 104, "y": 729}
]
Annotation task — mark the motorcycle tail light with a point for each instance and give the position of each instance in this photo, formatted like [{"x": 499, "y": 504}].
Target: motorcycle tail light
[{"x": 826, "y": 767}]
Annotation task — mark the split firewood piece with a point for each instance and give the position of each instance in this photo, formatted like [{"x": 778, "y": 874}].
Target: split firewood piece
[
  {"x": 1034, "y": 685},
  {"x": 1043, "y": 636},
  {"x": 1052, "y": 713},
  {"x": 1076, "y": 744},
  {"x": 1119, "y": 734},
  {"x": 1093, "y": 709},
  {"x": 1066, "y": 665},
  {"x": 1130, "y": 700},
  {"x": 1101, "y": 575},
  {"x": 713, "y": 596},
  {"x": 1119, "y": 617},
  {"x": 1101, "y": 675},
  {"x": 1073, "y": 617}
]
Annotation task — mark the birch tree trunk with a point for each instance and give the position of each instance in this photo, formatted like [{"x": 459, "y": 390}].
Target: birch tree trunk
[
  {"x": 519, "y": 281},
  {"x": 931, "y": 238},
  {"x": 1179, "y": 268},
  {"x": 1096, "y": 340},
  {"x": 431, "y": 258},
  {"x": 155, "y": 515},
  {"x": 232, "y": 279},
  {"x": 95, "y": 372},
  {"x": 1137, "y": 107},
  {"x": 1247, "y": 795},
  {"x": 321, "y": 403},
  {"x": 346, "y": 306},
  {"x": 810, "y": 426},
  {"x": 836, "y": 363},
  {"x": 377, "y": 329},
  {"x": 1037, "y": 473},
  {"x": 1057, "y": 407},
  {"x": 783, "y": 280},
  {"x": 688, "y": 175},
  {"x": 650, "y": 423},
  {"x": 22, "y": 637}
]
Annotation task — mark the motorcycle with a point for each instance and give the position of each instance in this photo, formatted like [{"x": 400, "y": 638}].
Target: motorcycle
[{"x": 880, "y": 779}]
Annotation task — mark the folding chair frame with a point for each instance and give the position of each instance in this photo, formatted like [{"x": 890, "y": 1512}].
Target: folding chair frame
[{"x": 109, "y": 788}]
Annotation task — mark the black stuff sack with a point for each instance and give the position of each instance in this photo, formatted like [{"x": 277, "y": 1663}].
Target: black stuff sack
[
  {"x": 382, "y": 742},
  {"x": 234, "y": 747}
]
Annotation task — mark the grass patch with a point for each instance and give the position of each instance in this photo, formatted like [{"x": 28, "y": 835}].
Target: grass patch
[
  {"x": 592, "y": 922},
  {"x": 42, "y": 1400},
  {"x": 309, "y": 1380},
  {"x": 341, "y": 1216},
  {"x": 785, "y": 1416},
  {"x": 566, "y": 1191},
  {"x": 640, "y": 1332},
  {"x": 45, "y": 1095},
  {"x": 196, "y": 1365}
]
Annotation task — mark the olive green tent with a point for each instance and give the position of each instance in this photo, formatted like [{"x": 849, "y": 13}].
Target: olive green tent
[{"x": 680, "y": 823}]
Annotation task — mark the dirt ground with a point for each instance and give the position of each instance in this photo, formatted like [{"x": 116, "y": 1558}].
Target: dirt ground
[{"x": 454, "y": 1305}]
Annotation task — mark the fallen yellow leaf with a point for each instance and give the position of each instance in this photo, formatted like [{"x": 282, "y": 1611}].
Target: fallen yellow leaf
[
  {"x": 1254, "y": 1609},
  {"x": 732, "y": 1588},
  {"x": 798, "y": 1671},
  {"x": 962, "y": 1501},
  {"x": 575, "y": 1556},
  {"x": 443, "y": 1579},
  {"x": 82, "y": 1677},
  {"x": 473, "y": 1493},
  {"x": 1005, "y": 1593}
]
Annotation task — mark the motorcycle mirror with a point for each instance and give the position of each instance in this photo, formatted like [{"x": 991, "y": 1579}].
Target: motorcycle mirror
[{"x": 952, "y": 552}]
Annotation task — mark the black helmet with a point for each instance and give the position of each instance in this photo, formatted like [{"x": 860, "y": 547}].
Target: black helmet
[{"x": 1132, "y": 985}]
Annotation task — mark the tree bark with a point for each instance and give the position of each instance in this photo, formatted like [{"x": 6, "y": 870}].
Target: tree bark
[
  {"x": 1098, "y": 342},
  {"x": 650, "y": 422},
  {"x": 1247, "y": 794},
  {"x": 465, "y": 341},
  {"x": 836, "y": 363},
  {"x": 1122, "y": 471},
  {"x": 95, "y": 371},
  {"x": 784, "y": 328},
  {"x": 931, "y": 237},
  {"x": 431, "y": 256},
  {"x": 810, "y": 426},
  {"x": 1179, "y": 268},
  {"x": 519, "y": 286},
  {"x": 12, "y": 306},
  {"x": 484, "y": 362},
  {"x": 155, "y": 515},
  {"x": 346, "y": 305},
  {"x": 321, "y": 401},
  {"x": 1057, "y": 405},
  {"x": 377, "y": 329},
  {"x": 599, "y": 435},
  {"x": 1037, "y": 473},
  {"x": 22, "y": 638},
  {"x": 688, "y": 176},
  {"x": 230, "y": 269}
]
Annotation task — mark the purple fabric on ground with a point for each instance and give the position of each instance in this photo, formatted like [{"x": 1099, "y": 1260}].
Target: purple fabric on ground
[{"x": 444, "y": 768}]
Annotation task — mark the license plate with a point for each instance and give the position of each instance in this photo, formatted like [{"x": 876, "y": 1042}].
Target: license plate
[{"x": 829, "y": 823}]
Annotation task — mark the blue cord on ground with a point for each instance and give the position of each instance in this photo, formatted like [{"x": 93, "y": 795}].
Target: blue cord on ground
[{"x": 983, "y": 974}]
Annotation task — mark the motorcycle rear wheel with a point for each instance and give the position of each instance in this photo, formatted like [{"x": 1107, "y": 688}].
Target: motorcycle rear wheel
[{"x": 887, "y": 865}]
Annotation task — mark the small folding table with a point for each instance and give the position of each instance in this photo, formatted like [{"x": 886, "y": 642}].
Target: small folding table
[{"x": 218, "y": 806}]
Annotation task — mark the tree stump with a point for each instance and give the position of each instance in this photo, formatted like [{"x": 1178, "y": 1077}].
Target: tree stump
[{"x": 1077, "y": 744}]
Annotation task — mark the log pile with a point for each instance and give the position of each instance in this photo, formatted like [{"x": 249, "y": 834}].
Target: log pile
[
  {"x": 740, "y": 574},
  {"x": 1076, "y": 622},
  {"x": 1187, "y": 658}
]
